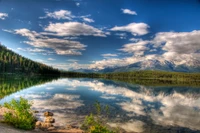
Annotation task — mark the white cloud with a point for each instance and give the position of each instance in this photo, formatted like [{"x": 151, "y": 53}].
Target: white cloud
[
  {"x": 40, "y": 60},
  {"x": 72, "y": 60},
  {"x": 88, "y": 20},
  {"x": 128, "y": 11},
  {"x": 135, "y": 39},
  {"x": 181, "y": 47},
  {"x": 3, "y": 16},
  {"x": 77, "y": 4},
  {"x": 109, "y": 55},
  {"x": 136, "y": 29},
  {"x": 60, "y": 46},
  {"x": 61, "y": 14},
  {"x": 113, "y": 62},
  {"x": 36, "y": 50},
  {"x": 73, "y": 29},
  {"x": 136, "y": 48},
  {"x": 121, "y": 35},
  {"x": 51, "y": 59},
  {"x": 179, "y": 42}
]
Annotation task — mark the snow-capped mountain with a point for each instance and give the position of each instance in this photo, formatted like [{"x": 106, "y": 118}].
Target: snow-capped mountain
[{"x": 164, "y": 65}]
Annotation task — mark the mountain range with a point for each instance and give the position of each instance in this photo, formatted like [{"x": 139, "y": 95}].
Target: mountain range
[{"x": 165, "y": 65}]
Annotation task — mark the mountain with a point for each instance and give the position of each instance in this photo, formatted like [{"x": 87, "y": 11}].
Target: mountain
[
  {"x": 191, "y": 66},
  {"x": 11, "y": 62}
]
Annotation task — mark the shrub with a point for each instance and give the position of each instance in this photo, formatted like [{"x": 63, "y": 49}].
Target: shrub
[
  {"x": 20, "y": 115},
  {"x": 95, "y": 123}
]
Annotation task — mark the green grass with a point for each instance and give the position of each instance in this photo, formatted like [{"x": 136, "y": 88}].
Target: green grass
[{"x": 20, "y": 115}]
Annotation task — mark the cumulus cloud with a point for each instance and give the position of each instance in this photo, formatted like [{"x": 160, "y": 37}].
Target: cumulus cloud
[
  {"x": 61, "y": 14},
  {"x": 128, "y": 11},
  {"x": 136, "y": 48},
  {"x": 113, "y": 62},
  {"x": 179, "y": 42},
  {"x": 181, "y": 47},
  {"x": 73, "y": 29},
  {"x": 88, "y": 20},
  {"x": 60, "y": 46},
  {"x": 3, "y": 16},
  {"x": 137, "y": 29}
]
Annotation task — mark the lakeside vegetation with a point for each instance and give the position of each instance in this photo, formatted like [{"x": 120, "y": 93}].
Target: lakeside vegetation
[{"x": 20, "y": 114}]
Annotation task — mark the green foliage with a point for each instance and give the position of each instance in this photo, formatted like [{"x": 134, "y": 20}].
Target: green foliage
[
  {"x": 10, "y": 62},
  {"x": 95, "y": 123},
  {"x": 20, "y": 115}
]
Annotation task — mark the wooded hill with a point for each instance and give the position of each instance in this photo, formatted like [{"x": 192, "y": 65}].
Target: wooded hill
[{"x": 10, "y": 62}]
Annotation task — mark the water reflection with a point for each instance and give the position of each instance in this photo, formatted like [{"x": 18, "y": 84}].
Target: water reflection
[
  {"x": 134, "y": 108},
  {"x": 10, "y": 84}
]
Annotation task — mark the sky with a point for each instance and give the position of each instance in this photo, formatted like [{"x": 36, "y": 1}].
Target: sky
[{"x": 95, "y": 34}]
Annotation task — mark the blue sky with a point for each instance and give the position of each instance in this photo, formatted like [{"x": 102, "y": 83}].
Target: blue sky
[{"x": 101, "y": 33}]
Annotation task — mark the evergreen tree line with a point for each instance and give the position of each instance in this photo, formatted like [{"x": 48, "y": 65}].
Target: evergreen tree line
[{"x": 10, "y": 62}]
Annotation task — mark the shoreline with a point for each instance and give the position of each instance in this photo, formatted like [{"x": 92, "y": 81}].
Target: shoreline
[{"x": 5, "y": 128}]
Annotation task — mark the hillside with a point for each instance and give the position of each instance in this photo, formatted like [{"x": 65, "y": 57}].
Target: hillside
[{"x": 11, "y": 62}]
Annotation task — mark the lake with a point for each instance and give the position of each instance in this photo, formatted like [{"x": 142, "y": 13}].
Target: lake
[{"x": 134, "y": 108}]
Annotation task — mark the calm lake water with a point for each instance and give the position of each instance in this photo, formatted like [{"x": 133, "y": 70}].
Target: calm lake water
[{"x": 134, "y": 108}]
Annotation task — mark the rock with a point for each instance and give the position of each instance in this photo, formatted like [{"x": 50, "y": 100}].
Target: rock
[
  {"x": 48, "y": 114},
  {"x": 38, "y": 124},
  {"x": 51, "y": 128},
  {"x": 46, "y": 125},
  {"x": 49, "y": 119}
]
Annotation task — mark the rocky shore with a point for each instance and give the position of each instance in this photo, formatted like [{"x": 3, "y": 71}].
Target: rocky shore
[{"x": 40, "y": 126}]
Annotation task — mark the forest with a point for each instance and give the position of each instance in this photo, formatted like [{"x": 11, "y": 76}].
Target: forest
[{"x": 11, "y": 62}]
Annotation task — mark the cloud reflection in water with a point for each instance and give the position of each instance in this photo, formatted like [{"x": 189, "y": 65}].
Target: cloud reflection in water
[{"x": 64, "y": 96}]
